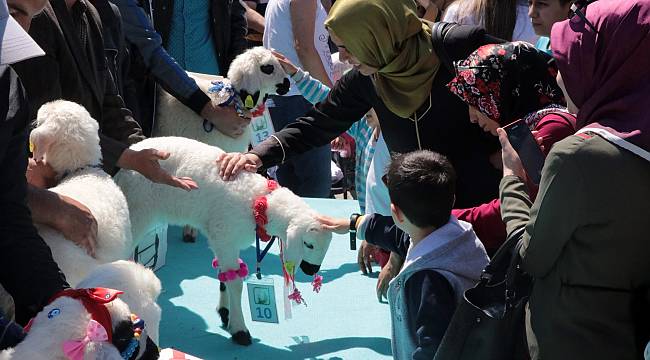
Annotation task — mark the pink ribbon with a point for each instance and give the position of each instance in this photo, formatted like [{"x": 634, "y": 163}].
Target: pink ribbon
[{"x": 75, "y": 349}]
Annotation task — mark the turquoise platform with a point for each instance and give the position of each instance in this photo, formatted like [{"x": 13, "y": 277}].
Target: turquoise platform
[{"x": 343, "y": 321}]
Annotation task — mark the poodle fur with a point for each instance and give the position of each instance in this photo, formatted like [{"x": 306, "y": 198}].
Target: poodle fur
[
  {"x": 66, "y": 137},
  {"x": 222, "y": 211},
  {"x": 246, "y": 76},
  {"x": 47, "y": 334}
]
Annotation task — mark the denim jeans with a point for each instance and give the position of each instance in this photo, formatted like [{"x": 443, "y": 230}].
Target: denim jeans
[{"x": 308, "y": 174}]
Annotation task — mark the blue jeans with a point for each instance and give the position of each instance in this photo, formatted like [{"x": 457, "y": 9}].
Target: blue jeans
[{"x": 308, "y": 174}]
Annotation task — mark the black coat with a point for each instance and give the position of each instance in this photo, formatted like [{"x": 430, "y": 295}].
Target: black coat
[
  {"x": 445, "y": 128},
  {"x": 27, "y": 270}
]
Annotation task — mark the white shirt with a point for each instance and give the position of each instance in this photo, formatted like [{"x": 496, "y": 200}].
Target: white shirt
[
  {"x": 278, "y": 35},
  {"x": 523, "y": 31}
]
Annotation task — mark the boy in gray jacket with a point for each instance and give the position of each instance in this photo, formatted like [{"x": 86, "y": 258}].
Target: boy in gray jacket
[{"x": 443, "y": 255}]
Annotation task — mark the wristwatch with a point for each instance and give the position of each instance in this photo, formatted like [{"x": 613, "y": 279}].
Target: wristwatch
[{"x": 353, "y": 230}]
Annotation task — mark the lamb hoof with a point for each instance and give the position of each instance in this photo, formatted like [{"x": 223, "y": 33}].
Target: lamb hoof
[
  {"x": 223, "y": 314},
  {"x": 242, "y": 338},
  {"x": 189, "y": 238}
]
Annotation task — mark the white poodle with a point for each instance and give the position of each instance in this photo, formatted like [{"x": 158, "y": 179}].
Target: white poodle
[
  {"x": 253, "y": 76},
  {"x": 223, "y": 211},
  {"x": 66, "y": 137},
  {"x": 67, "y": 320}
]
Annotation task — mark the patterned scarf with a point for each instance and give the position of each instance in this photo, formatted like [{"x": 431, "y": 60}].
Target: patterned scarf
[{"x": 507, "y": 81}]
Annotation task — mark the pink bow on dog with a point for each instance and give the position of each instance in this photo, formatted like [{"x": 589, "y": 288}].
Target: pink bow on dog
[{"x": 75, "y": 349}]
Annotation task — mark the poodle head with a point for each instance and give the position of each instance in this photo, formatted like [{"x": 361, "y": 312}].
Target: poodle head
[
  {"x": 307, "y": 243},
  {"x": 66, "y": 137},
  {"x": 255, "y": 75}
]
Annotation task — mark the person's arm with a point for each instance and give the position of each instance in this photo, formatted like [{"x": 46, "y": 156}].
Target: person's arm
[
  {"x": 303, "y": 18},
  {"x": 431, "y": 303},
  {"x": 254, "y": 19},
  {"x": 311, "y": 89},
  {"x": 139, "y": 32},
  {"x": 118, "y": 127},
  {"x": 381, "y": 231},
  {"x": 344, "y": 106},
  {"x": 557, "y": 211},
  {"x": 73, "y": 219},
  {"x": 331, "y": 117},
  {"x": 486, "y": 222}
]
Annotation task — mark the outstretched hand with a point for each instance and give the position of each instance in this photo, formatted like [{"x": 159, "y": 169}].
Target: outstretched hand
[
  {"x": 231, "y": 164},
  {"x": 339, "y": 226},
  {"x": 146, "y": 163},
  {"x": 287, "y": 65}
]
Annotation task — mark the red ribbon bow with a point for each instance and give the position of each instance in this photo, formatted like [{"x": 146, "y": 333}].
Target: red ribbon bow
[{"x": 260, "y": 205}]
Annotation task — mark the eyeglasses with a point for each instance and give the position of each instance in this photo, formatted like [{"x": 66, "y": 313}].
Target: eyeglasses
[{"x": 577, "y": 8}]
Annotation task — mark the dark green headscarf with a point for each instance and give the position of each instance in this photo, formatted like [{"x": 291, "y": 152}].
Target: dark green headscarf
[{"x": 389, "y": 36}]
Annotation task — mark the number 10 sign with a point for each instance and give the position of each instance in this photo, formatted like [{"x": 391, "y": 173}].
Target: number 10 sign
[{"x": 261, "y": 298}]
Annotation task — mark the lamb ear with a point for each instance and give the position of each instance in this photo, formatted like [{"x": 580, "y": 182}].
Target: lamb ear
[
  {"x": 268, "y": 69},
  {"x": 40, "y": 141}
]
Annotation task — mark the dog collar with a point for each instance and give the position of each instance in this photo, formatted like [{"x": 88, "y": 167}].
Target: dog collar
[
  {"x": 260, "y": 205},
  {"x": 72, "y": 172},
  {"x": 93, "y": 300}
]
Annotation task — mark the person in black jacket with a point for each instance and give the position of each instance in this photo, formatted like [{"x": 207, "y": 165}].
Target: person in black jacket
[
  {"x": 27, "y": 270},
  {"x": 398, "y": 73}
]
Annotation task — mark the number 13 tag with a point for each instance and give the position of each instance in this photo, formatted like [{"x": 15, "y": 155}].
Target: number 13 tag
[{"x": 261, "y": 298}]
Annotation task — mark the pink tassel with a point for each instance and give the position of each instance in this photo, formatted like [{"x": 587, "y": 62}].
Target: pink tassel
[
  {"x": 297, "y": 297},
  {"x": 317, "y": 283}
]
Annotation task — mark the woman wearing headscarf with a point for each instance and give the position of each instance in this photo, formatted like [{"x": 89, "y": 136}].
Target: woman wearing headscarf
[
  {"x": 586, "y": 241},
  {"x": 503, "y": 83},
  {"x": 398, "y": 74}
]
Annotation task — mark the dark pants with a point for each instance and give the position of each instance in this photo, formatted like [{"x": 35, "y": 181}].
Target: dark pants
[
  {"x": 10, "y": 333},
  {"x": 308, "y": 174}
]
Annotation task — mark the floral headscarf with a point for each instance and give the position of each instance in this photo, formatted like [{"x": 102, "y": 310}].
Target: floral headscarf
[{"x": 507, "y": 81}]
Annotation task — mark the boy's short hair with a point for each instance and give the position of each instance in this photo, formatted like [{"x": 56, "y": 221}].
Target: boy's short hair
[{"x": 422, "y": 184}]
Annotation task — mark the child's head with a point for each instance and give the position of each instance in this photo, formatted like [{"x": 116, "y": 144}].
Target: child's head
[
  {"x": 421, "y": 185},
  {"x": 544, "y": 13}
]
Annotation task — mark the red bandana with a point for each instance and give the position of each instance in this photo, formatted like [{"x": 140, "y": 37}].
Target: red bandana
[
  {"x": 259, "y": 212},
  {"x": 93, "y": 300}
]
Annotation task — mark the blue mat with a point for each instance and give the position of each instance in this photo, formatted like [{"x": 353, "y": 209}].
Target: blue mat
[{"x": 343, "y": 321}]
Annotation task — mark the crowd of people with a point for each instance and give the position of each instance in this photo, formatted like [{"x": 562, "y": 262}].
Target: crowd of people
[{"x": 421, "y": 91}]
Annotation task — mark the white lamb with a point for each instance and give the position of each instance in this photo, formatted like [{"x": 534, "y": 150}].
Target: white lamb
[
  {"x": 67, "y": 319},
  {"x": 66, "y": 137},
  {"x": 255, "y": 73},
  {"x": 223, "y": 212}
]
